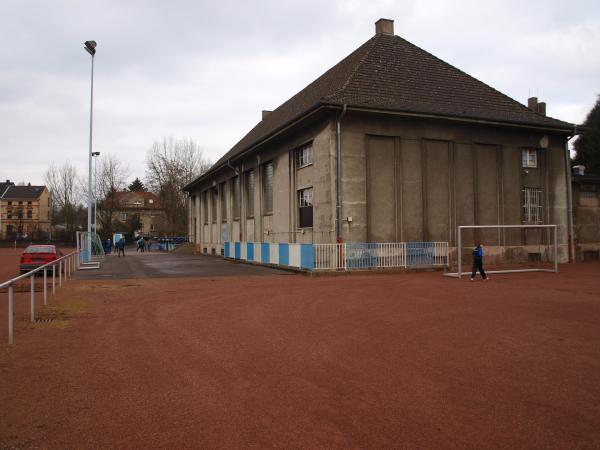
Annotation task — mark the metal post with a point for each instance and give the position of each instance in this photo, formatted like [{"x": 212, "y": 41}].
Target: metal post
[
  {"x": 60, "y": 273},
  {"x": 556, "y": 248},
  {"x": 53, "y": 279},
  {"x": 459, "y": 251},
  {"x": 32, "y": 300},
  {"x": 45, "y": 286},
  {"x": 10, "y": 315}
]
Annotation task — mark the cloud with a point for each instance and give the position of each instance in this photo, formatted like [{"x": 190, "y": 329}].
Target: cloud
[{"x": 205, "y": 69}]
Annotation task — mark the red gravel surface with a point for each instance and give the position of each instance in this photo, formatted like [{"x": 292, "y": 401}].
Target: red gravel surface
[{"x": 413, "y": 360}]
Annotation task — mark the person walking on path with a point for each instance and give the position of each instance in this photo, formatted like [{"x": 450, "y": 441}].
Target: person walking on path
[
  {"x": 141, "y": 245},
  {"x": 121, "y": 247},
  {"x": 478, "y": 263}
]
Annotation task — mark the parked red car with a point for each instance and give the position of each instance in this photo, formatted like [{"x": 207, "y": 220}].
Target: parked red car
[{"x": 35, "y": 256}]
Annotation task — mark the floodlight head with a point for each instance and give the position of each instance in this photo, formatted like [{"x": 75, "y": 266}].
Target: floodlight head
[
  {"x": 95, "y": 153},
  {"x": 90, "y": 47}
]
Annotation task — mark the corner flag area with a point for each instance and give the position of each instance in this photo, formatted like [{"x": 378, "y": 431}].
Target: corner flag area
[{"x": 399, "y": 360}]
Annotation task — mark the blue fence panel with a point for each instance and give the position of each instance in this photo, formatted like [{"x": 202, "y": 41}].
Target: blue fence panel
[
  {"x": 420, "y": 254},
  {"x": 237, "y": 250},
  {"x": 284, "y": 254},
  {"x": 264, "y": 253},
  {"x": 362, "y": 255},
  {"x": 226, "y": 250},
  {"x": 307, "y": 256},
  {"x": 250, "y": 251}
]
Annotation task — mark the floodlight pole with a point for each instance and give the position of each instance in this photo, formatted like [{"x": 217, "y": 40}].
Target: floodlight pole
[{"x": 90, "y": 47}]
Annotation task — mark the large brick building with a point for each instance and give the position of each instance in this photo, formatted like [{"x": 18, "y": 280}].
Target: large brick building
[
  {"x": 391, "y": 144},
  {"x": 25, "y": 211}
]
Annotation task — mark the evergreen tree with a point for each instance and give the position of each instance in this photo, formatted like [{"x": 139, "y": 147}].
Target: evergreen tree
[
  {"x": 137, "y": 186},
  {"x": 588, "y": 145}
]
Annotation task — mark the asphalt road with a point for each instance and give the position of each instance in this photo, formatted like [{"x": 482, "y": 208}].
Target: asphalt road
[{"x": 171, "y": 265}]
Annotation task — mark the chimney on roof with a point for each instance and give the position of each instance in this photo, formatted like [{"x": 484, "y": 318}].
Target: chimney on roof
[
  {"x": 384, "y": 26},
  {"x": 265, "y": 113},
  {"x": 540, "y": 108}
]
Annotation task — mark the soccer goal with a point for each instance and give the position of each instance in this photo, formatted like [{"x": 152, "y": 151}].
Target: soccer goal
[
  {"x": 508, "y": 248},
  {"x": 89, "y": 247}
]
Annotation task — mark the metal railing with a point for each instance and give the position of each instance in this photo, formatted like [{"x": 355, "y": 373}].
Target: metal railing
[
  {"x": 387, "y": 255},
  {"x": 66, "y": 264}
]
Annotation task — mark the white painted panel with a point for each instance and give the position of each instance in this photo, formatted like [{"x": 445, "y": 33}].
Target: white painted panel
[
  {"x": 243, "y": 249},
  {"x": 294, "y": 255},
  {"x": 274, "y": 253},
  {"x": 257, "y": 254}
]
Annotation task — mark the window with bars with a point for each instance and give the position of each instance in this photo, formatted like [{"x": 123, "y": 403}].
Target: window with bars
[
  {"x": 305, "y": 208},
  {"x": 205, "y": 206},
  {"x": 267, "y": 186},
  {"x": 223, "y": 203},
  {"x": 529, "y": 158},
  {"x": 304, "y": 156},
  {"x": 235, "y": 184},
  {"x": 532, "y": 206},
  {"x": 250, "y": 193}
]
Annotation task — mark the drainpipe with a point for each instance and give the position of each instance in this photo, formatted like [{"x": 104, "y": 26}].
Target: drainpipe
[
  {"x": 1, "y": 197},
  {"x": 570, "y": 236},
  {"x": 232, "y": 168},
  {"x": 338, "y": 174}
]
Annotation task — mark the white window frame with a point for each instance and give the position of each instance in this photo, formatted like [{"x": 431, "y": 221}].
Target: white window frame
[
  {"x": 304, "y": 156},
  {"x": 268, "y": 171},
  {"x": 532, "y": 206},
  {"x": 529, "y": 158},
  {"x": 305, "y": 200}
]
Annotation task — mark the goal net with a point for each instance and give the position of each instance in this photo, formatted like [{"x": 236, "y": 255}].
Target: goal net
[
  {"x": 507, "y": 248},
  {"x": 90, "y": 249}
]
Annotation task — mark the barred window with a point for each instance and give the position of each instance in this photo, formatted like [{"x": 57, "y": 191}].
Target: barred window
[
  {"x": 529, "y": 158},
  {"x": 205, "y": 206},
  {"x": 304, "y": 156},
  {"x": 532, "y": 206},
  {"x": 235, "y": 184},
  {"x": 268, "y": 188},
  {"x": 250, "y": 193},
  {"x": 305, "y": 208},
  {"x": 223, "y": 203}
]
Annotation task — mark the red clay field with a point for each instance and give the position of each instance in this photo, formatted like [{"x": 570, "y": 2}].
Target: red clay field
[{"x": 406, "y": 360}]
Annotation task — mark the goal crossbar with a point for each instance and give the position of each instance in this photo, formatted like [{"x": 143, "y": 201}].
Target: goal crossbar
[{"x": 459, "y": 272}]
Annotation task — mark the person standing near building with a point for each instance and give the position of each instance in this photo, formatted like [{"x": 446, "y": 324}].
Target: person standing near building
[
  {"x": 121, "y": 247},
  {"x": 478, "y": 263}
]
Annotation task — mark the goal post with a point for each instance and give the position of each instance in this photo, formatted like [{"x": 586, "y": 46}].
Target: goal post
[{"x": 553, "y": 242}]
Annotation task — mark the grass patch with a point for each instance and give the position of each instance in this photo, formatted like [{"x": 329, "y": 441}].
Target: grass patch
[{"x": 58, "y": 316}]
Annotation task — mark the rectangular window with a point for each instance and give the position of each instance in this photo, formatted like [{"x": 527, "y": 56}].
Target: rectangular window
[
  {"x": 305, "y": 208},
  {"x": 213, "y": 204},
  {"x": 223, "y": 203},
  {"x": 123, "y": 216},
  {"x": 304, "y": 156},
  {"x": 29, "y": 214},
  {"x": 250, "y": 193},
  {"x": 235, "y": 184},
  {"x": 268, "y": 188},
  {"x": 29, "y": 203},
  {"x": 9, "y": 203},
  {"x": 9, "y": 214},
  {"x": 532, "y": 206},
  {"x": 205, "y": 206},
  {"x": 529, "y": 158}
]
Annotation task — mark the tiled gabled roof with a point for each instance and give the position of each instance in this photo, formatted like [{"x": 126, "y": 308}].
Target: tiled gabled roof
[
  {"x": 389, "y": 73},
  {"x": 23, "y": 192}
]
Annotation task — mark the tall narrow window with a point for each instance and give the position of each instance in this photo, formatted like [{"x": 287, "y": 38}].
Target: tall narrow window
[
  {"x": 268, "y": 188},
  {"x": 305, "y": 208},
  {"x": 235, "y": 184},
  {"x": 529, "y": 158},
  {"x": 304, "y": 156},
  {"x": 223, "y": 203},
  {"x": 205, "y": 206},
  {"x": 213, "y": 204},
  {"x": 250, "y": 193},
  {"x": 532, "y": 206}
]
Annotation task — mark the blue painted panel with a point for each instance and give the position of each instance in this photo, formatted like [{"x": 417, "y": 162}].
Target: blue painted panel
[
  {"x": 284, "y": 254},
  {"x": 264, "y": 252},
  {"x": 250, "y": 251},
  {"x": 237, "y": 250},
  {"x": 307, "y": 256},
  {"x": 226, "y": 252}
]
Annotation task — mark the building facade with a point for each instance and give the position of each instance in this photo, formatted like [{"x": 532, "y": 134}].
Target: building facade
[
  {"x": 144, "y": 204},
  {"x": 586, "y": 214},
  {"x": 25, "y": 211},
  {"x": 390, "y": 145}
]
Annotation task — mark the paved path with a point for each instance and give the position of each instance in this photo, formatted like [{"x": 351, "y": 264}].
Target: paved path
[{"x": 172, "y": 265}]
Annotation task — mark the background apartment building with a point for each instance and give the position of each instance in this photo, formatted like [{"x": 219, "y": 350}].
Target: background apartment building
[{"x": 25, "y": 211}]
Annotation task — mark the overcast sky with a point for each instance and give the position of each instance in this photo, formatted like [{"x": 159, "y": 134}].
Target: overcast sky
[{"x": 205, "y": 70}]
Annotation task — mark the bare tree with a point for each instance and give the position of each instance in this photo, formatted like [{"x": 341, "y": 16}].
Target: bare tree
[
  {"x": 110, "y": 178},
  {"x": 65, "y": 185},
  {"x": 170, "y": 165}
]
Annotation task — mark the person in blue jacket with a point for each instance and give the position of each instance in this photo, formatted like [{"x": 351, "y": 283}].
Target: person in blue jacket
[
  {"x": 121, "y": 247},
  {"x": 478, "y": 263}
]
